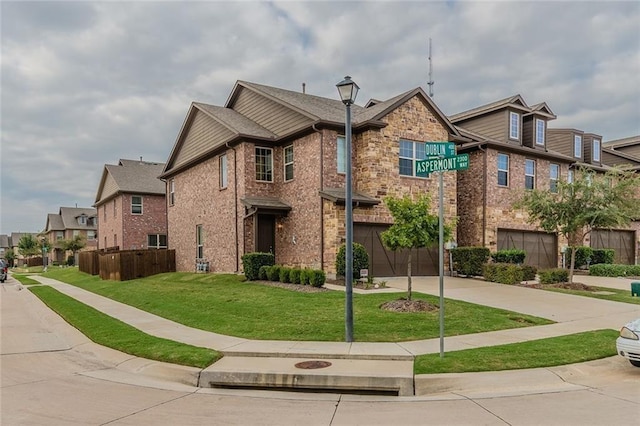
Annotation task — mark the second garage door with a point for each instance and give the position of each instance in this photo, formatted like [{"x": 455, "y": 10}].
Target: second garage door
[
  {"x": 620, "y": 241},
  {"x": 541, "y": 247},
  {"x": 387, "y": 263}
]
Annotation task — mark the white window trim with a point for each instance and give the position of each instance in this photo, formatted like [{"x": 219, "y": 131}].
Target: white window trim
[
  {"x": 141, "y": 205},
  {"x": 539, "y": 133},
  {"x": 284, "y": 160},
  {"x": 596, "y": 150},
  {"x": 172, "y": 192},
  {"x": 91, "y": 235},
  {"x": 555, "y": 179},
  {"x": 533, "y": 175},
  {"x": 512, "y": 127},
  {"x": 256, "y": 162},
  {"x": 577, "y": 153},
  {"x": 223, "y": 175},
  {"x": 157, "y": 246},
  {"x": 199, "y": 242},
  {"x": 503, "y": 170},
  {"x": 344, "y": 154},
  {"x": 413, "y": 158}
]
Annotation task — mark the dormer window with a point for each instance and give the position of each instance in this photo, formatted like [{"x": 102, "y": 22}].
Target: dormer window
[
  {"x": 596, "y": 150},
  {"x": 577, "y": 146},
  {"x": 514, "y": 125},
  {"x": 540, "y": 127},
  {"x": 82, "y": 219}
]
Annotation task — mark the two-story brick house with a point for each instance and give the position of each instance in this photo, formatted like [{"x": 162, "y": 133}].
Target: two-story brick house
[
  {"x": 266, "y": 172},
  {"x": 131, "y": 205},
  {"x": 67, "y": 224},
  {"x": 509, "y": 153}
]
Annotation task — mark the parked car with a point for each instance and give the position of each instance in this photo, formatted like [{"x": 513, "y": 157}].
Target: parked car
[
  {"x": 4, "y": 267},
  {"x": 628, "y": 344}
]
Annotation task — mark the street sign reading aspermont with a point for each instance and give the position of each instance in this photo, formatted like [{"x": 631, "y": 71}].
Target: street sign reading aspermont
[{"x": 432, "y": 165}]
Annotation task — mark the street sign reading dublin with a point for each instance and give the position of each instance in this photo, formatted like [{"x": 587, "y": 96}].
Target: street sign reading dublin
[
  {"x": 440, "y": 149},
  {"x": 432, "y": 165}
]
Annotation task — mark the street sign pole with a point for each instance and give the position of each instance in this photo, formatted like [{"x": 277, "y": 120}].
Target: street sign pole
[{"x": 441, "y": 263}]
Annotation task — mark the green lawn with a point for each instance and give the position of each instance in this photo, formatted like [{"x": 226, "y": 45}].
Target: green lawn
[
  {"x": 24, "y": 279},
  {"x": 227, "y": 305},
  {"x": 617, "y": 296},
  {"x": 115, "y": 334},
  {"x": 561, "y": 350}
]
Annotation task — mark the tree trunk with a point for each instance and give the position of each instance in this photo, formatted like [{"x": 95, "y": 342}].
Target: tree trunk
[
  {"x": 572, "y": 264},
  {"x": 409, "y": 276}
]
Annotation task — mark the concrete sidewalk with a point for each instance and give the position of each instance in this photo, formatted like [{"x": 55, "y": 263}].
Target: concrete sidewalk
[{"x": 251, "y": 358}]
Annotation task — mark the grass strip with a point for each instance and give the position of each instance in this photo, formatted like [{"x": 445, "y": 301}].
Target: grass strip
[
  {"x": 548, "y": 352},
  {"x": 227, "y": 305},
  {"x": 616, "y": 296},
  {"x": 108, "y": 331},
  {"x": 25, "y": 280}
]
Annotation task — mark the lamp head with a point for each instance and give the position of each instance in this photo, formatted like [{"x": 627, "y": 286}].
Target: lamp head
[{"x": 348, "y": 90}]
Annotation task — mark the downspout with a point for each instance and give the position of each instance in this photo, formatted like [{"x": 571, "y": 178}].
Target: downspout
[
  {"x": 313, "y": 126},
  {"x": 235, "y": 201}
]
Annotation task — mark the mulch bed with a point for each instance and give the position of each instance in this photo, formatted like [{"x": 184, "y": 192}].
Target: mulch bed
[
  {"x": 404, "y": 305},
  {"x": 568, "y": 286},
  {"x": 293, "y": 287}
]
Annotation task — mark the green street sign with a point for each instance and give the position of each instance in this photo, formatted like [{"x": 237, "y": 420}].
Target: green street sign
[
  {"x": 426, "y": 167},
  {"x": 440, "y": 149}
]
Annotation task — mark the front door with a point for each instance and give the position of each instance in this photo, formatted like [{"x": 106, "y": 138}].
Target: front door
[{"x": 266, "y": 234}]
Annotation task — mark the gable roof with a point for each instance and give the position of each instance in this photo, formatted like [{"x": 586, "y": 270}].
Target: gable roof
[
  {"x": 542, "y": 109},
  {"x": 130, "y": 176},
  {"x": 69, "y": 217},
  {"x": 54, "y": 223},
  {"x": 514, "y": 101},
  {"x": 260, "y": 112},
  {"x": 4, "y": 241}
]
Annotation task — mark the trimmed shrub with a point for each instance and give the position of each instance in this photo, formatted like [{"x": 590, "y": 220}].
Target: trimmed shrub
[
  {"x": 284, "y": 274},
  {"x": 603, "y": 256},
  {"x": 529, "y": 272},
  {"x": 304, "y": 276},
  {"x": 469, "y": 260},
  {"x": 360, "y": 260},
  {"x": 509, "y": 256},
  {"x": 294, "y": 275},
  {"x": 251, "y": 263},
  {"x": 70, "y": 260},
  {"x": 504, "y": 273},
  {"x": 262, "y": 272},
  {"x": 273, "y": 273},
  {"x": 553, "y": 276},
  {"x": 615, "y": 270},
  {"x": 317, "y": 277},
  {"x": 584, "y": 255}
]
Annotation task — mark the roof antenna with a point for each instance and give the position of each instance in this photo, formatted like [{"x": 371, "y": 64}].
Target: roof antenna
[{"x": 430, "y": 83}]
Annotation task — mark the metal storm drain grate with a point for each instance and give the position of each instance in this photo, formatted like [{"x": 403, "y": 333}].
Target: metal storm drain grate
[{"x": 311, "y": 365}]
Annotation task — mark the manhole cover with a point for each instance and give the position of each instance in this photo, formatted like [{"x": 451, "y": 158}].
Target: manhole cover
[{"x": 310, "y": 365}]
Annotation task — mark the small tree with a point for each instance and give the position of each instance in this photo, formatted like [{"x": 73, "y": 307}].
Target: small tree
[
  {"x": 73, "y": 245},
  {"x": 413, "y": 227},
  {"x": 591, "y": 201},
  {"x": 28, "y": 246},
  {"x": 10, "y": 257}
]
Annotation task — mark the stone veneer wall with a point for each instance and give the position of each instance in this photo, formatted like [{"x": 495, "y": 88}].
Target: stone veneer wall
[{"x": 376, "y": 172}]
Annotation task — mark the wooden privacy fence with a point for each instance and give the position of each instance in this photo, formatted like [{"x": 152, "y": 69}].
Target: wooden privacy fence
[{"x": 128, "y": 264}]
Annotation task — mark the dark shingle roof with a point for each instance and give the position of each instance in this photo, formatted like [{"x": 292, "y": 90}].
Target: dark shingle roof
[
  {"x": 235, "y": 122},
  {"x": 70, "y": 214},
  {"x": 137, "y": 176},
  {"x": 54, "y": 222},
  {"x": 515, "y": 101}
]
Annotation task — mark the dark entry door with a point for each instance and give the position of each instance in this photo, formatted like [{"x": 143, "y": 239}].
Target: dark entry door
[{"x": 266, "y": 234}]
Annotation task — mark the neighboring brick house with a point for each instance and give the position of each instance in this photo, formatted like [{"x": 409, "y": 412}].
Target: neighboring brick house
[
  {"x": 509, "y": 154},
  {"x": 266, "y": 173},
  {"x": 4, "y": 245},
  {"x": 131, "y": 206},
  {"x": 68, "y": 223}
]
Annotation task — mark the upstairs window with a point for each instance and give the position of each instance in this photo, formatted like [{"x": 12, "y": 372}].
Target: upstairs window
[
  {"x": 410, "y": 152},
  {"x": 172, "y": 192},
  {"x": 554, "y": 176},
  {"x": 577, "y": 146},
  {"x": 104, "y": 215},
  {"x": 157, "y": 241},
  {"x": 529, "y": 174},
  {"x": 570, "y": 176},
  {"x": 503, "y": 170},
  {"x": 82, "y": 219},
  {"x": 136, "y": 204},
  {"x": 514, "y": 125},
  {"x": 223, "y": 171},
  {"x": 115, "y": 210},
  {"x": 264, "y": 164},
  {"x": 91, "y": 235},
  {"x": 596, "y": 150},
  {"x": 59, "y": 235},
  {"x": 76, "y": 233},
  {"x": 288, "y": 163},
  {"x": 342, "y": 155},
  {"x": 540, "y": 125}
]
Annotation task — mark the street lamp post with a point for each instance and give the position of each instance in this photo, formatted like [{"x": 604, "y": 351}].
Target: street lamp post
[{"x": 348, "y": 91}]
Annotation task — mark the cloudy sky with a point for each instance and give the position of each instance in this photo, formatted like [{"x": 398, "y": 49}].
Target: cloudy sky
[{"x": 86, "y": 83}]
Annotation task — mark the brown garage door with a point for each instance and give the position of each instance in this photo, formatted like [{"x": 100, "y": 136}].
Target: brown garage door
[
  {"x": 387, "y": 263},
  {"x": 621, "y": 241},
  {"x": 541, "y": 248}
]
